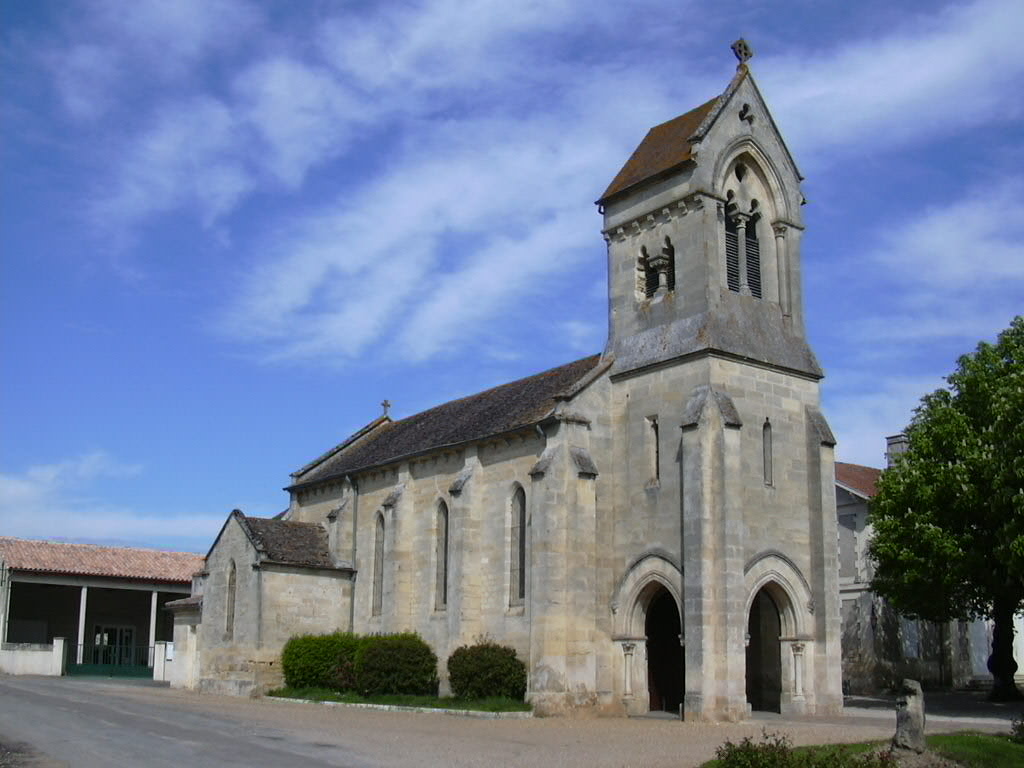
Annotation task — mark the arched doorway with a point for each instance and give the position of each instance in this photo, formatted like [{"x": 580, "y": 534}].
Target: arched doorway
[
  {"x": 665, "y": 668},
  {"x": 764, "y": 654}
]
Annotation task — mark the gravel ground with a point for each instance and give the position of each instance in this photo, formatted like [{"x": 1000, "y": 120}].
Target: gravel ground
[
  {"x": 186, "y": 728},
  {"x": 414, "y": 739}
]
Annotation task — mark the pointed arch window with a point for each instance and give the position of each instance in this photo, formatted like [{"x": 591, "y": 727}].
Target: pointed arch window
[
  {"x": 741, "y": 224},
  {"x": 441, "y": 576},
  {"x": 517, "y": 553},
  {"x": 378, "y": 567},
  {"x": 229, "y": 608},
  {"x": 766, "y": 448},
  {"x": 650, "y": 270}
]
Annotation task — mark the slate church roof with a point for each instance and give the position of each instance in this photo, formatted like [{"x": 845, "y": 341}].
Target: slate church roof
[
  {"x": 665, "y": 148},
  {"x": 492, "y": 412},
  {"x": 59, "y": 557},
  {"x": 286, "y": 542}
]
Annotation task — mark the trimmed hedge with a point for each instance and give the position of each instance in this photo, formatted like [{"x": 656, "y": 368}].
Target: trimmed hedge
[
  {"x": 486, "y": 669},
  {"x": 401, "y": 663},
  {"x": 321, "y": 661}
]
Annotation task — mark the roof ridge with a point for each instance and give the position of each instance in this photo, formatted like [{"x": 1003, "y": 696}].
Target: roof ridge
[
  {"x": 100, "y": 546},
  {"x": 494, "y": 388},
  {"x": 498, "y": 409}
]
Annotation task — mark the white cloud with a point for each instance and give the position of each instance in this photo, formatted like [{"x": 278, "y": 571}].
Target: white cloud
[
  {"x": 864, "y": 408},
  {"x": 110, "y": 46},
  {"x": 958, "y": 268},
  {"x": 186, "y": 158},
  {"x": 66, "y": 497},
  {"x": 937, "y": 73},
  {"x": 467, "y": 152},
  {"x": 583, "y": 337},
  {"x": 437, "y": 44},
  {"x": 301, "y": 113}
]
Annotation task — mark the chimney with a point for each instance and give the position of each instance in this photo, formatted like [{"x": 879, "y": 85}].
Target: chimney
[{"x": 894, "y": 445}]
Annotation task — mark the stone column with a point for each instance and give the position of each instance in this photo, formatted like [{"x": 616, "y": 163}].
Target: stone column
[
  {"x": 798, "y": 670},
  {"x": 782, "y": 262},
  {"x": 627, "y": 650},
  {"x": 741, "y": 247},
  {"x": 83, "y": 600},
  {"x": 660, "y": 263}
]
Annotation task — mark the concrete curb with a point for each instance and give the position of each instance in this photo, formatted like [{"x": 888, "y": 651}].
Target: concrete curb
[{"x": 396, "y": 708}]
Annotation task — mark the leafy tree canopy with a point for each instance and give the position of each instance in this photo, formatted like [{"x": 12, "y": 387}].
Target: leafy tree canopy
[{"x": 949, "y": 514}]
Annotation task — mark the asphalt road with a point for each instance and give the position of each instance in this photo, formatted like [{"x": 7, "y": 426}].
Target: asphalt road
[
  {"x": 85, "y": 724},
  {"x": 82, "y": 723}
]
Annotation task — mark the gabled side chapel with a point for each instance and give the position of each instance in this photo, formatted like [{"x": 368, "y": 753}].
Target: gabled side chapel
[{"x": 653, "y": 528}]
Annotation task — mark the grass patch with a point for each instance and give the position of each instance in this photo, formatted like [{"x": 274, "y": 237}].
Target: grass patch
[
  {"x": 984, "y": 750},
  {"x": 491, "y": 704}
]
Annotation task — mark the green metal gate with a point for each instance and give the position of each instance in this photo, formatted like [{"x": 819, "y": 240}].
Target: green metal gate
[{"x": 110, "y": 660}]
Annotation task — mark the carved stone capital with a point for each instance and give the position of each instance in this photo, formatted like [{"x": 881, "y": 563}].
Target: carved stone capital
[{"x": 779, "y": 229}]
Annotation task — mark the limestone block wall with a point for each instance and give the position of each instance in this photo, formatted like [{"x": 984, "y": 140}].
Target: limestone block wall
[
  {"x": 300, "y": 601},
  {"x": 406, "y": 497},
  {"x": 225, "y": 659},
  {"x": 233, "y": 546}
]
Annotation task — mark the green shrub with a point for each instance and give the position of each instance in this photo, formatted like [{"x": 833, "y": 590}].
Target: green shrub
[
  {"x": 486, "y": 669},
  {"x": 776, "y": 751},
  {"x": 321, "y": 661},
  {"x": 1017, "y": 730},
  {"x": 396, "y": 664}
]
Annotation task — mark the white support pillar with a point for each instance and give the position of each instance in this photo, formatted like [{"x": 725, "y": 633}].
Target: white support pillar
[
  {"x": 152, "y": 626},
  {"x": 81, "y": 624},
  {"x": 5, "y": 594}
]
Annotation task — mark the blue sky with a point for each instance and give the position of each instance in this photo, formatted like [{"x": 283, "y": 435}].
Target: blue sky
[{"x": 230, "y": 229}]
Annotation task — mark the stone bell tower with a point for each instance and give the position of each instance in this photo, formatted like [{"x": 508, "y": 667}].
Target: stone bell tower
[{"x": 710, "y": 364}]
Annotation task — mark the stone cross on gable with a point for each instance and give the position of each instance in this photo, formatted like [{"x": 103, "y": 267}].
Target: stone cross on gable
[
  {"x": 386, "y": 405},
  {"x": 742, "y": 50}
]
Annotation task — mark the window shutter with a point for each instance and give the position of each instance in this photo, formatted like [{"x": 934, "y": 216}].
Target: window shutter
[
  {"x": 753, "y": 262},
  {"x": 732, "y": 258}
]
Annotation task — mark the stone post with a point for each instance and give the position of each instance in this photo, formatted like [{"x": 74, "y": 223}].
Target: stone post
[
  {"x": 910, "y": 718},
  {"x": 58, "y": 661}
]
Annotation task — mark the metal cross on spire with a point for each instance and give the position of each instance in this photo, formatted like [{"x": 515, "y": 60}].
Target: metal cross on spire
[{"x": 742, "y": 50}]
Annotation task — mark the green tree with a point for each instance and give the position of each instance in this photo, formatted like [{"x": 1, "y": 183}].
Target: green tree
[{"x": 949, "y": 514}]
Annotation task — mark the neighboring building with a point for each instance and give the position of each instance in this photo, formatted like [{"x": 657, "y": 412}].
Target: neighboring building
[
  {"x": 652, "y": 528},
  {"x": 107, "y": 602},
  {"x": 880, "y": 647}
]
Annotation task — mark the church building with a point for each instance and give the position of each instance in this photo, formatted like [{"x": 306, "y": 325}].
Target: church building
[{"x": 651, "y": 528}]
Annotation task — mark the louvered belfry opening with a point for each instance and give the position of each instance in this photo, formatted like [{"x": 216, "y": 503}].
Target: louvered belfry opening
[
  {"x": 732, "y": 254},
  {"x": 753, "y": 253},
  {"x": 670, "y": 251},
  {"x": 650, "y": 274}
]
